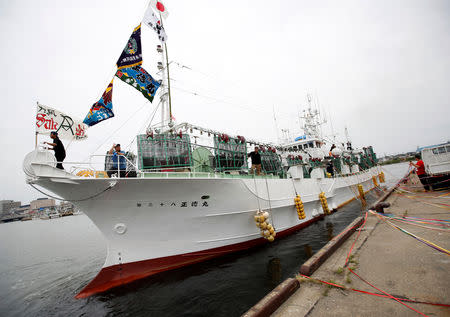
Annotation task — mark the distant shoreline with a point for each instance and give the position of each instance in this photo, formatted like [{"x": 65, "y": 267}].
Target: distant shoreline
[{"x": 398, "y": 160}]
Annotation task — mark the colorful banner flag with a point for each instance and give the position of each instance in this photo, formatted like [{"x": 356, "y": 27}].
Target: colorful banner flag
[
  {"x": 137, "y": 77},
  {"x": 132, "y": 53},
  {"x": 159, "y": 8},
  {"x": 67, "y": 127},
  {"x": 152, "y": 21},
  {"x": 102, "y": 109}
]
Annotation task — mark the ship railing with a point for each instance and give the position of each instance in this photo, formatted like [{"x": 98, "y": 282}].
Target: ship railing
[{"x": 95, "y": 168}]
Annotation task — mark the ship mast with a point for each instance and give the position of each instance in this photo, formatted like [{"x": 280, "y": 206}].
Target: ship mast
[
  {"x": 312, "y": 121},
  {"x": 168, "y": 84}
]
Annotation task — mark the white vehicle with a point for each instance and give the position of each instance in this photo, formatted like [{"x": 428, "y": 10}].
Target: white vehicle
[{"x": 436, "y": 159}]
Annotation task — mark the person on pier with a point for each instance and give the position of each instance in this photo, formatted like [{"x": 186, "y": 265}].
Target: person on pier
[{"x": 420, "y": 171}]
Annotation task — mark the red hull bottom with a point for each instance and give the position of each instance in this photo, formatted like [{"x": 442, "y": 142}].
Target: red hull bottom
[{"x": 120, "y": 274}]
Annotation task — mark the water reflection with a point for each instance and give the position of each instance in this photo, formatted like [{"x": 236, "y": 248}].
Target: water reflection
[
  {"x": 308, "y": 250},
  {"x": 274, "y": 271},
  {"x": 330, "y": 227}
]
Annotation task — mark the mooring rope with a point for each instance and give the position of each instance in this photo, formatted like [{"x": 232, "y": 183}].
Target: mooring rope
[
  {"x": 370, "y": 293},
  {"x": 359, "y": 232},
  {"x": 417, "y": 221},
  {"x": 346, "y": 262},
  {"x": 424, "y": 241},
  {"x": 389, "y": 295},
  {"x": 445, "y": 206}
]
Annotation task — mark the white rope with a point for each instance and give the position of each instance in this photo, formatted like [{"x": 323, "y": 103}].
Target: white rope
[
  {"x": 256, "y": 190},
  {"x": 270, "y": 205}
]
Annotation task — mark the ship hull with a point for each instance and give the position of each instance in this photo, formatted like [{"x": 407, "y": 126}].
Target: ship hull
[{"x": 158, "y": 224}]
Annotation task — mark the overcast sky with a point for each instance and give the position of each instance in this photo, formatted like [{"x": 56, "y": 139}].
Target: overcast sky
[{"x": 381, "y": 68}]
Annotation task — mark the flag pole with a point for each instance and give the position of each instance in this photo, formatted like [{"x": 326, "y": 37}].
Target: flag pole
[
  {"x": 168, "y": 74},
  {"x": 168, "y": 82},
  {"x": 35, "y": 132}
]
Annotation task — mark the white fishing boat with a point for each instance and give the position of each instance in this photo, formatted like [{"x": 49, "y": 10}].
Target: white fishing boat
[{"x": 188, "y": 196}]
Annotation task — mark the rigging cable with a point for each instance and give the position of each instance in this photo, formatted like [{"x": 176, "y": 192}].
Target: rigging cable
[
  {"x": 145, "y": 123},
  {"x": 90, "y": 197},
  {"x": 120, "y": 127}
]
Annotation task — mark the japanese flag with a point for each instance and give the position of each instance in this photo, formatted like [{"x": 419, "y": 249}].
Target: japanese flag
[{"x": 159, "y": 8}]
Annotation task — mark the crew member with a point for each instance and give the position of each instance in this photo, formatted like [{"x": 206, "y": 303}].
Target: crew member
[
  {"x": 420, "y": 171},
  {"x": 331, "y": 150},
  {"x": 330, "y": 168},
  {"x": 256, "y": 161},
  {"x": 58, "y": 147},
  {"x": 119, "y": 163}
]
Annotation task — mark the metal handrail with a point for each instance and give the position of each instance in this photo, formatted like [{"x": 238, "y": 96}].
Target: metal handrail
[
  {"x": 118, "y": 163},
  {"x": 89, "y": 163}
]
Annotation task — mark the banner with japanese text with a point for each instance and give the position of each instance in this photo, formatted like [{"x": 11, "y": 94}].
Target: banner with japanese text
[
  {"x": 67, "y": 127},
  {"x": 152, "y": 21},
  {"x": 132, "y": 53},
  {"x": 141, "y": 80}
]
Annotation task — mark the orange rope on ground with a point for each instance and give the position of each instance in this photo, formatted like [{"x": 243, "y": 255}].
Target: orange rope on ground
[
  {"x": 370, "y": 293},
  {"x": 390, "y": 296},
  {"x": 359, "y": 232}
]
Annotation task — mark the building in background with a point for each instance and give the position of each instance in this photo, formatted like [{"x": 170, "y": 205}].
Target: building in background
[
  {"x": 21, "y": 210},
  {"x": 7, "y": 205},
  {"x": 42, "y": 203},
  {"x": 66, "y": 209},
  {"x": 42, "y": 207}
]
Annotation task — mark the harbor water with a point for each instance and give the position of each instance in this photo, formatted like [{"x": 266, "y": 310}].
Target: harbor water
[{"x": 45, "y": 263}]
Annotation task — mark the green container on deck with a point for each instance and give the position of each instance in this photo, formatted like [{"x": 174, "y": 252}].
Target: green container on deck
[{"x": 164, "y": 151}]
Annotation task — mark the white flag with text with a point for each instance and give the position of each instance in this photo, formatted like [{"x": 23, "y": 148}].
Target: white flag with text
[
  {"x": 67, "y": 127},
  {"x": 153, "y": 22}
]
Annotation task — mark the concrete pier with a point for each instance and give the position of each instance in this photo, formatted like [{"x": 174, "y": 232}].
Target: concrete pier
[{"x": 389, "y": 259}]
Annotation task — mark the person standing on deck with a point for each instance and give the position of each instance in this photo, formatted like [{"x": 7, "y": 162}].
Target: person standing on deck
[
  {"x": 58, "y": 147},
  {"x": 256, "y": 161},
  {"x": 331, "y": 151},
  {"x": 118, "y": 160},
  {"x": 420, "y": 171}
]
